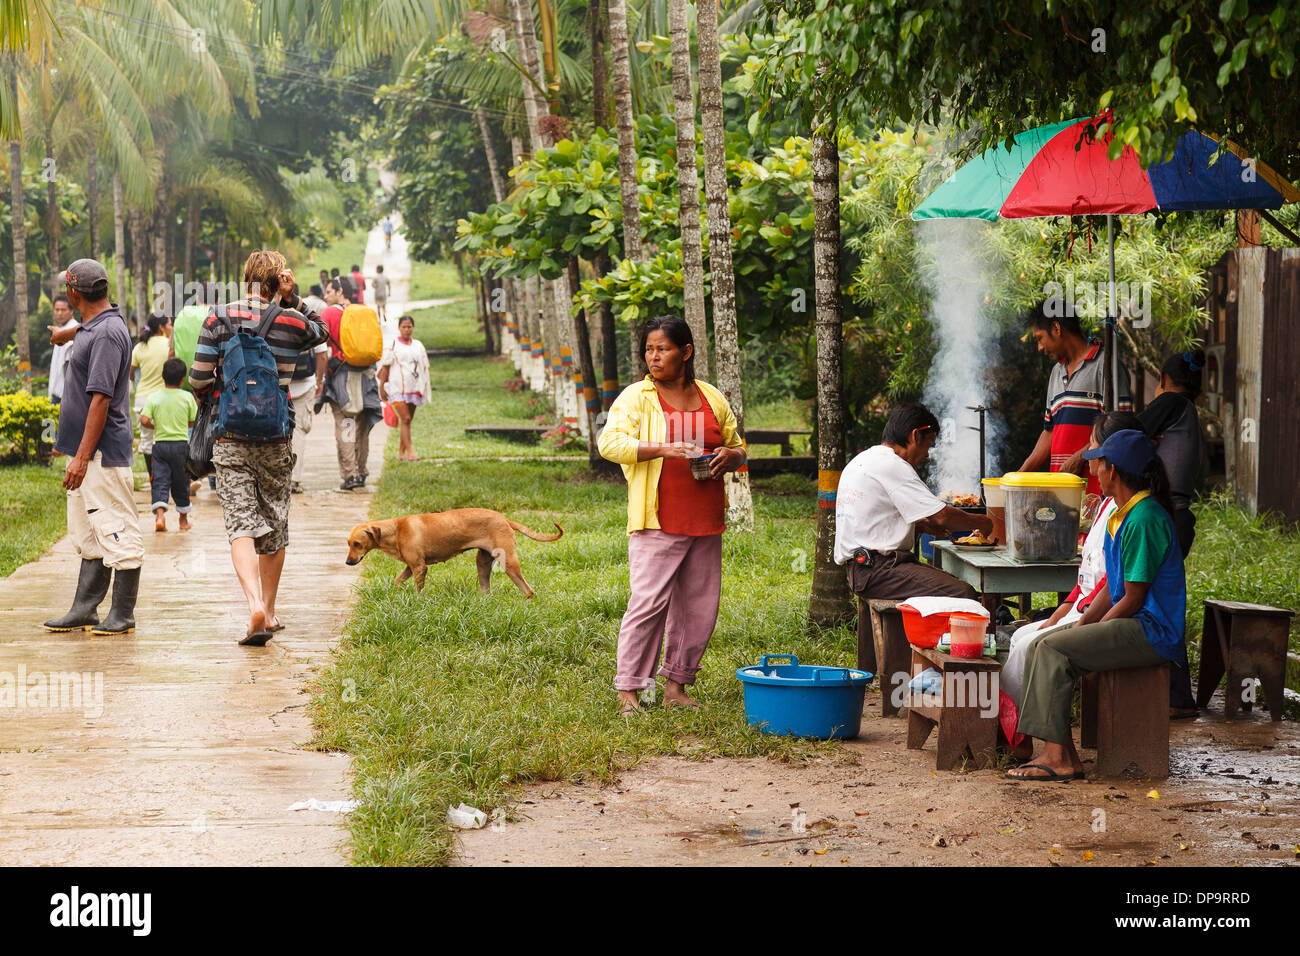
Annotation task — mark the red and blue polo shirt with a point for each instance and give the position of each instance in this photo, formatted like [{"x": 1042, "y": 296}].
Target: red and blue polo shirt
[{"x": 1073, "y": 403}]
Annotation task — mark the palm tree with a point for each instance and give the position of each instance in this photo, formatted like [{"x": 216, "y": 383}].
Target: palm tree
[
  {"x": 627, "y": 178},
  {"x": 740, "y": 501},
  {"x": 830, "y": 601},
  {"x": 688, "y": 184},
  {"x": 19, "y": 236}
]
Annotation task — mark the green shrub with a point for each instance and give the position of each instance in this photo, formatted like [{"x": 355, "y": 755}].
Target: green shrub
[{"x": 27, "y": 424}]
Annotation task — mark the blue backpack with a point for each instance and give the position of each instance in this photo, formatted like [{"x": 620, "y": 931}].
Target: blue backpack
[{"x": 252, "y": 407}]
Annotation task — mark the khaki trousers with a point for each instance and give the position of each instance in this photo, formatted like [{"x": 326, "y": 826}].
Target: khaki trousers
[
  {"x": 102, "y": 520},
  {"x": 302, "y": 414},
  {"x": 352, "y": 438}
]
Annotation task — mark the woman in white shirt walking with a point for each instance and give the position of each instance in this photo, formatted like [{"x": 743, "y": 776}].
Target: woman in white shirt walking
[{"x": 404, "y": 381}]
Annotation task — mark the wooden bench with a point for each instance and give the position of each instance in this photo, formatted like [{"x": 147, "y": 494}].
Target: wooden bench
[
  {"x": 524, "y": 434},
  {"x": 1125, "y": 718},
  {"x": 888, "y": 654},
  {"x": 1245, "y": 641},
  {"x": 964, "y": 730},
  {"x": 773, "y": 436}
]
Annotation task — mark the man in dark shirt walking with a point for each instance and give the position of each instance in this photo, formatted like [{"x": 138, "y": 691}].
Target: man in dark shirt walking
[{"x": 95, "y": 434}]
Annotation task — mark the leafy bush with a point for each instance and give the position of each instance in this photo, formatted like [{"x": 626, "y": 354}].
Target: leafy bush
[{"x": 27, "y": 425}]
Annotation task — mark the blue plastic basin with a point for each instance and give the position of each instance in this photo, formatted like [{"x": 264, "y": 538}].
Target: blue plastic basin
[{"x": 802, "y": 700}]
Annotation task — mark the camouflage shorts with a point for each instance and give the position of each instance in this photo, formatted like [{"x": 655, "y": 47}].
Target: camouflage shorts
[{"x": 253, "y": 483}]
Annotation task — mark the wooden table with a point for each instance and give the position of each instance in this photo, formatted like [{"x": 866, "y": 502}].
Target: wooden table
[
  {"x": 966, "y": 712},
  {"x": 996, "y": 573}
]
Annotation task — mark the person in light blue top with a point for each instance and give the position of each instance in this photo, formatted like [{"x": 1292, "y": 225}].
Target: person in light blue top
[{"x": 1136, "y": 621}]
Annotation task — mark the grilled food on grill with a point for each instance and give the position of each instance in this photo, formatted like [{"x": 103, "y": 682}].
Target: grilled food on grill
[
  {"x": 973, "y": 538},
  {"x": 963, "y": 501}
]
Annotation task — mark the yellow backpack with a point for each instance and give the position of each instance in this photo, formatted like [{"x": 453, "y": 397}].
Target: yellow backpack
[{"x": 360, "y": 337}]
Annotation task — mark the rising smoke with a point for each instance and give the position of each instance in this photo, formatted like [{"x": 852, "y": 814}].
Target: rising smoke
[{"x": 956, "y": 271}]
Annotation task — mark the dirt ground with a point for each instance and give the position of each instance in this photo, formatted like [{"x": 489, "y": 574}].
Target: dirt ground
[{"x": 1232, "y": 797}]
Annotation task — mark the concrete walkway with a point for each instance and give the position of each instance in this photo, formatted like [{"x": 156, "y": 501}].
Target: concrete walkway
[{"x": 192, "y": 751}]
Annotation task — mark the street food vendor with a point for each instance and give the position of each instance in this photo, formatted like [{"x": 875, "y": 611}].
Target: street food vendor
[
  {"x": 1075, "y": 393},
  {"x": 882, "y": 502}
]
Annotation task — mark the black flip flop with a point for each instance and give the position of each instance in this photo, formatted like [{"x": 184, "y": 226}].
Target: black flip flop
[
  {"x": 1050, "y": 774},
  {"x": 256, "y": 638},
  {"x": 276, "y": 628}
]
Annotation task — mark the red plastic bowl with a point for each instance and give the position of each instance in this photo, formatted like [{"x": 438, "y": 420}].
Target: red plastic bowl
[{"x": 923, "y": 631}]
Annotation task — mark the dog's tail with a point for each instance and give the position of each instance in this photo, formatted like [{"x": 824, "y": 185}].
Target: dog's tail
[{"x": 530, "y": 533}]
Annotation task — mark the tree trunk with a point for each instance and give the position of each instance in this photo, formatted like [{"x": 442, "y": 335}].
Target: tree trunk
[
  {"x": 608, "y": 342},
  {"x": 119, "y": 242},
  {"x": 535, "y": 105},
  {"x": 53, "y": 223},
  {"x": 159, "y": 237},
  {"x": 627, "y": 177},
  {"x": 485, "y": 131},
  {"x": 21, "y": 338},
  {"x": 191, "y": 236},
  {"x": 830, "y": 602},
  {"x": 139, "y": 268},
  {"x": 590, "y": 397},
  {"x": 92, "y": 199},
  {"x": 596, "y": 21},
  {"x": 740, "y": 501},
  {"x": 688, "y": 184}
]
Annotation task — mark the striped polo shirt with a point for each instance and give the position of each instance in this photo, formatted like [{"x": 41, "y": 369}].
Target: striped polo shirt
[
  {"x": 293, "y": 331},
  {"x": 1073, "y": 403}
]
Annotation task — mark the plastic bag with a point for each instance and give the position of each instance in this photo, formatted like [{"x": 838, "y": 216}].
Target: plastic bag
[{"x": 465, "y": 817}]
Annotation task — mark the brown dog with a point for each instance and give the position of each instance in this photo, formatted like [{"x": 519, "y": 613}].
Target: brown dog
[{"x": 421, "y": 540}]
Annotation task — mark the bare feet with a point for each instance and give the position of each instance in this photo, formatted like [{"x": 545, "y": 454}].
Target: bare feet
[
  {"x": 160, "y": 520},
  {"x": 185, "y": 523},
  {"x": 629, "y": 703},
  {"x": 675, "y": 696}
]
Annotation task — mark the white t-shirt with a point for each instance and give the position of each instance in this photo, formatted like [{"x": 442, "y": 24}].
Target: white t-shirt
[
  {"x": 880, "y": 498},
  {"x": 300, "y": 387},
  {"x": 59, "y": 359}
]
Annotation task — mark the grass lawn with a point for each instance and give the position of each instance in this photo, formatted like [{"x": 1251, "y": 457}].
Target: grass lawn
[
  {"x": 437, "y": 280},
  {"x": 32, "y": 512},
  {"x": 348, "y": 249},
  {"x": 452, "y": 695},
  {"x": 451, "y": 326}
]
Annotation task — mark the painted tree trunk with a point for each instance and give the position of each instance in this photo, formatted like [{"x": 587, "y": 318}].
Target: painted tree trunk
[
  {"x": 627, "y": 175},
  {"x": 740, "y": 501},
  {"x": 688, "y": 184},
  {"x": 92, "y": 199},
  {"x": 597, "y": 15},
  {"x": 119, "y": 242},
  {"x": 830, "y": 601}
]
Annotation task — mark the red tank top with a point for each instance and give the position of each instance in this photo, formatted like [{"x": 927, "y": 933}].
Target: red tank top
[{"x": 688, "y": 506}]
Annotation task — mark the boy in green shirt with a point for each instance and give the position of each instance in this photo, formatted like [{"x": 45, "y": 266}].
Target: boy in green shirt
[{"x": 170, "y": 412}]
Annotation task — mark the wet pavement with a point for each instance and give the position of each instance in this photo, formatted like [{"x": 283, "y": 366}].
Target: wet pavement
[{"x": 174, "y": 745}]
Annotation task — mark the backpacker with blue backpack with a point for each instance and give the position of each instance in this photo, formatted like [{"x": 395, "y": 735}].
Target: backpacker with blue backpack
[{"x": 252, "y": 406}]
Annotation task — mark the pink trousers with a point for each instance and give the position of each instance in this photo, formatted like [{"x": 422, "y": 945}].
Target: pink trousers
[{"x": 676, "y": 586}]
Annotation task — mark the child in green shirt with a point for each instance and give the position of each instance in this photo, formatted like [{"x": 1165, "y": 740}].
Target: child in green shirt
[{"x": 169, "y": 412}]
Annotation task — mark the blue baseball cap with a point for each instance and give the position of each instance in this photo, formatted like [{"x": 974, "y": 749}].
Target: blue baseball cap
[{"x": 1128, "y": 450}]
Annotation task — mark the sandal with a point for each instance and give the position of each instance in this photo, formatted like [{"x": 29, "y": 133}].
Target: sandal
[
  {"x": 259, "y": 634},
  {"x": 1048, "y": 774}
]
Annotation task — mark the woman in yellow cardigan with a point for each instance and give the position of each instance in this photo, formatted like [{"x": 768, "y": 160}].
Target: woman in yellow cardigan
[{"x": 674, "y": 520}]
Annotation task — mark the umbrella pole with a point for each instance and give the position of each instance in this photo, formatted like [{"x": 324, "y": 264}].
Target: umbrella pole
[{"x": 1110, "y": 390}]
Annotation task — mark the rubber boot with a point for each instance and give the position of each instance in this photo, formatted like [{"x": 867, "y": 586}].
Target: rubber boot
[
  {"x": 121, "y": 618},
  {"x": 92, "y": 585}
]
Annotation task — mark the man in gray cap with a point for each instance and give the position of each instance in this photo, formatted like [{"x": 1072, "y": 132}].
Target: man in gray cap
[{"x": 95, "y": 434}]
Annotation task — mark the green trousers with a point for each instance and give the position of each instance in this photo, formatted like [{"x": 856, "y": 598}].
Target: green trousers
[{"x": 1056, "y": 660}]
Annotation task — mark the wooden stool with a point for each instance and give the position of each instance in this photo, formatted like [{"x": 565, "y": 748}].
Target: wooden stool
[
  {"x": 964, "y": 729},
  {"x": 1125, "y": 718},
  {"x": 1246, "y": 641},
  {"x": 891, "y": 652}
]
